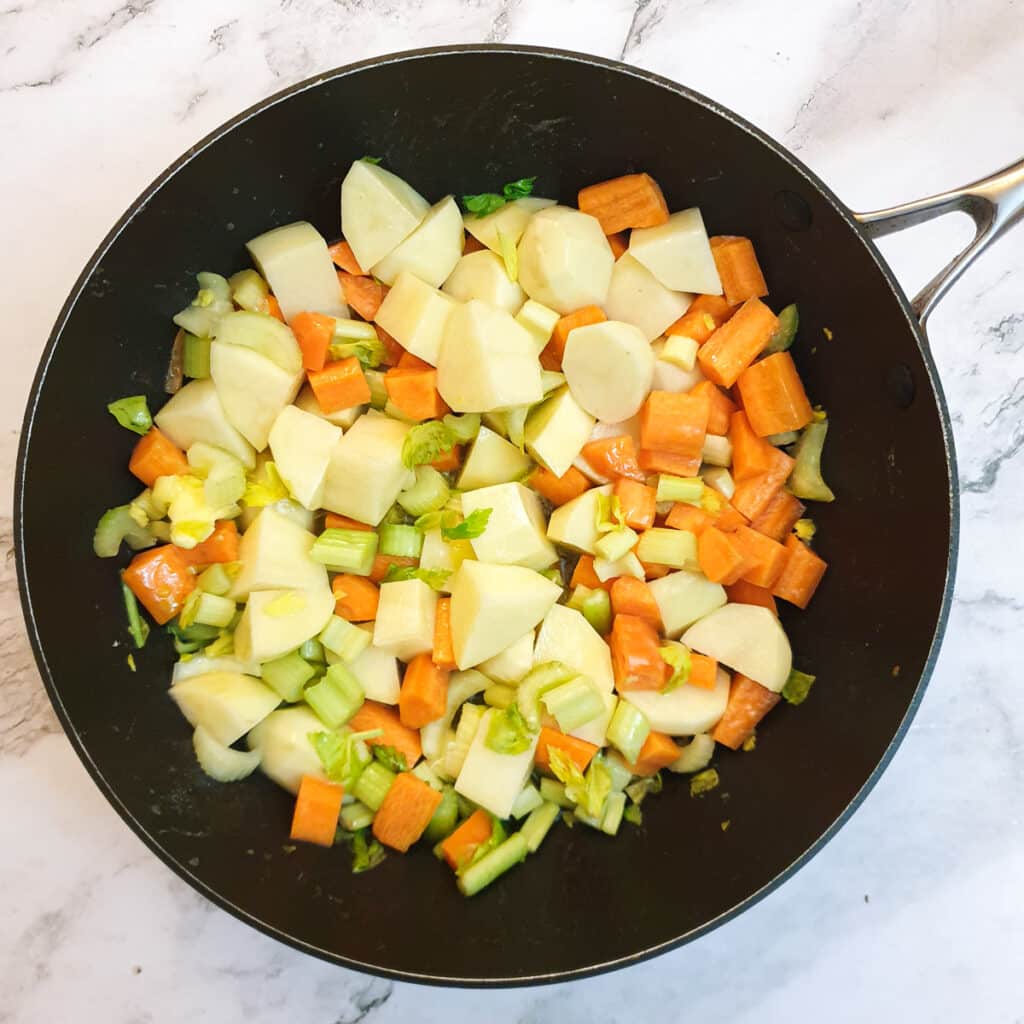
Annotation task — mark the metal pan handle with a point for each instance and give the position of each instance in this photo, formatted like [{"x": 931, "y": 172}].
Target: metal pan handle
[{"x": 994, "y": 203}]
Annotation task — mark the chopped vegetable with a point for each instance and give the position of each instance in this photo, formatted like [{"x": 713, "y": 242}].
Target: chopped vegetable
[
  {"x": 632, "y": 201},
  {"x": 155, "y": 456},
  {"x": 806, "y": 480},
  {"x": 737, "y": 343},
  {"x": 748, "y": 703},
  {"x": 738, "y": 268},
  {"x": 797, "y": 687},
  {"x": 423, "y": 697},
  {"x": 785, "y": 333},
  {"x": 773, "y": 395},
  {"x": 316, "y": 811},
  {"x": 132, "y": 413},
  {"x": 636, "y": 660},
  {"x": 800, "y": 575},
  {"x": 405, "y": 813},
  {"x": 488, "y": 202},
  {"x": 703, "y": 782},
  {"x": 372, "y": 716}
]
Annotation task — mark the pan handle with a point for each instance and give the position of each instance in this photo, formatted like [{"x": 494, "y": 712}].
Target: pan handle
[{"x": 994, "y": 203}]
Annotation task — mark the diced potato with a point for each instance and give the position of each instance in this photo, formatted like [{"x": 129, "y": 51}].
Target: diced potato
[
  {"x": 264, "y": 334},
  {"x": 670, "y": 376},
  {"x": 490, "y": 779},
  {"x": 515, "y": 529},
  {"x": 275, "y": 622},
  {"x": 297, "y": 266},
  {"x": 511, "y": 664},
  {"x": 566, "y": 636},
  {"x": 627, "y": 565},
  {"x": 431, "y": 251},
  {"x": 481, "y": 275},
  {"x": 678, "y": 253},
  {"x": 493, "y": 606},
  {"x": 378, "y": 211},
  {"x": 286, "y": 507},
  {"x": 487, "y": 361},
  {"x": 609, "y": 367},
  {"x": 447, "y": 555},
  {"x": 565, "y": 261},
  {"x": 405, "y": 618},
  {"x": 274, "y": 555},
  {"x": 595, "y": 731},
  {"x": 717, "y": 452},
  {"x": 343, "y": 418},
  {"x": 301, "y": 444},
  {"x": 377, "y": 671},
  {"x": 556, "y": 431},
  {"x": 415, "y": 314},
  {"x": 491, "y": 460},
  {"x": 286, "y": 754},
  {"x": 510, "y": 222},
  {"x": 685, "y": 597},
  {"x": 366, "y": 472},
  {"x": 226, "y": 704},
  {"x": 200, "y": 664},
  {"x": 636, "y": 296},
  {"x": 574, "y": 524},
  {"x": 539, "y": 320},
  {"x": 684, "y": 711},
  {"x": 195, "y": 414}
]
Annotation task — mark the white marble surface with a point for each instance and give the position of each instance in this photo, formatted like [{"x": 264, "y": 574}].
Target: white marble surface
[{"x": 913, "y": 911}]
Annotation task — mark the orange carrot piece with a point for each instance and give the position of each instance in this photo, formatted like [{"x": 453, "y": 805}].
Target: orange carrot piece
[
  {"x": 551, "y": 356},
  {"x": 738, "y": 268},
  {"x": 448, "y": 461},
  {"x": 631, "y": 596},
  {"x": 754, "y": 494},
  {"x": 676, "y": 423},
  {"x": 381, "y": 564},
  {"x": 748, "y": 703},
  {"x": 580, "y": 751},
  {"x": 414, "y": 392},
  {"x": 618, "y": 243},
  {"x": 161, "y": 580},
  {"x": 779, "y": 516},
  {"x": 737, "y": 343},
  {"x": 655, "y": 570},
  {"x": 443, "y": 654},
  {"x": 393, "y": 352},
  {"x": 703, "y": 671},
  {"x": 721, "y": 559},
  {"x": 407, "y": 361},
  {"x": 316, "y": 811},
  {"x": 155, "y": 456},
  {"x": 659, "y": 751},
  {"x": 472, "y": 244},
  {"x": 274, "y": 308},
  {"x": 339, "y": 385},
  {"x": 688, "y": 517},
  {"x": 406, "y": 812},
  {"x": 333, "y": 521},
  {"x": 344, "y": 258},
  {"x": 372, "y": 715},
  {"x": 729, "y": 518},
  {"x": 768, "y": 557},
  {"x": 801, "y": 574},
  {"x": 637, "y": 502},
  {"x": 220, "y": 546},
  {"x": 657, "y": 461},
  {"x": 558, "y": 489},
  {"x": 459, "y": 847},
  {"x": 363, "y": 294},
  {"x": 773, "y": 395},
  {"x": 313, "y": 332},
  {"x": 632, "y": 201},
  {"x": 614, "y": 457},
  {"x": 703, "y": 317},
  {"x": 720, "y": 407},
  {"x": 636, "y": 661},
  {"x": 742, "y": 592},
  {"x": 584, "y": 576},
  {"x": 355, "y": 598},
  {"x": 751, "y": 455},
  {"x": 424, "y": 692}
]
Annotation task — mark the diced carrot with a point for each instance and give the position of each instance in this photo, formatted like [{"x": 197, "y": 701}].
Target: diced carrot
[
  {"x": 558, "y": 489},
  {"x": 632, "y": 201},
  {"x": 618, "y": 243},
  {"x": 675, "y": 423},
  {"x": 654, "y": 570},
  {"x": 703, "y": 671},
  {"x": 737, "y": 343},
  {"x": 424, "y": 692},
  {"x": 448, "y": 461},
  {"x": 444, "y": 654},
  {"x": 773, "y": 395},
  {"x": 729, "y": 518},
  {"x": 155, "y": 456},
  {"x": 614, "y": 457},
  {"x": 636, "y": 661},
  {"x": 356, "y": 598},
  {"x": 637, "y": 502},
  {"x": 161, "y": 580},
  {"x": 584, "y": 576},
  {"x": 738, "y": 268},
  {"x": 333, "y": 521},
  {"x": 220, "y": 546},
  {"x": 339, "y": 385},
  {"x": 551, "y": 356},
  {"x": 313, "y": 332},
  {"x": 742, "y": 592},
  {"x": 406, "y": 812},
  {"x": 689, "y": 518},
  {"x": 702, "y": 318},
  {"x": 316, "y": 811},
  {"x": 459, "y": 847},
  {"x": 363, "y": 294},
  {"x": 801, "y": 574},
  {"x": 657, "y": 461},
  {"x": 414, "y": 392},
  {"x": 755, "y": 493},
  {"x": 274, "y": 308},
  {"x": 768, "y": 557},
  {"x": 407, "y": 361},
  {"x": 720, "y": 557},
  {"x": 344, "y": 258},
  {"x": 381, "y": 564},
  {"x": 580, "y": 751},
  {"x": 720, "y": 407},
  {"x": 631, "y": 596},
  {"x": 472, "y": 244},
  {"x": 659, "y": 751},
  {"x": 748, "y": 703},
  {"x": 779, "y": 515},
  {"x": 372, "y": 715},
  {"x": 393, "y": 352},
  {"x": 751, "y": 455}
]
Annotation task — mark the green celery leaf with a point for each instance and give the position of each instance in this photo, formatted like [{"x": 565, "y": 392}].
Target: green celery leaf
[
  {"x": 483, "y": 204},
  {"x": 366, "y": 853},
  {"x": 392, "y": 759},
  {"x": 371, "y": 159},
  {"x": 518, "y": 189},
  {"x": 132, "y": 413},
  {"x": 434, "y": 578},
  {"x": 473, "y": 526}
]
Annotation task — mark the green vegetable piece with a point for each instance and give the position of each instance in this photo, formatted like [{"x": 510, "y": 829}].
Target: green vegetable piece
[
  {"x": 195, "y": 357},
  {"x": 489, "y": 202},
  {"x": 371, "y": 159},
  {"x": 370, "y": 352},
  {"x": 797, "y": 686},
  {"x": 463, "y": 428},
  {"x": 392, "y": 759},
  {"x": 638, "y": 790},
  {"x": 554, "y": 792},
  {"x": 429, "y": 493},
  {"x": 373, "y": 784},
  {"x": 589, "y": 791},
  {"x": 633, "y": 814},
  {"x": 806, "y": 481},
  {"x": 401, "y": 540},
  {"x": 538, "y": 824},
  {"x": 471, "y": 527},
  {"x": 677, "y": 657},
  {"x": 628, "y": 730},
  {"x": 495, "y": 863},
  {"x": 535, "y": 683},
  {"x": 366, "y": 853},
  {"x": 703, "y": 782},
  {"x": 434, "y": 578},
  {"x": 336, "y": 698},
  {"x": 138, "y": 628},
  {"x": 785, "y": 333},
  {"x": 355, "y": 816},
  {"x": 132, "y": 413},
  {"x": 117, "y": 525},
  {"x": 500, "y": 696},
  {"x": 445, "y": 817},
  {"x": 287, "y": 675},
  {"x": 426, "y": 442},
  {"x": 344, "y": 755},
  {"x": 349, "y": 551},
  {"x": 509, "y": 732},
  {"x": 574, "y": 703}
]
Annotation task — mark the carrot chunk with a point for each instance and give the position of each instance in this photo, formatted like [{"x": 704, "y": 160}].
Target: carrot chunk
[
  {"x": 748, "y": 703},
  {"x": 558, "y": 489},
  {"x": 801, "y": 574},
  {"x": 636, "y": 660},
  {"x": 738, "y": 268},
  {"x": 773, "y": 395},
  {"x": 161, "y": 580},
  {"x": 155, "y": 456},
  {"x": 316, "y": 811},
  {"x": 424, "y": 692},
  {"x": 580, "y": 751},
  {"x": 372, "y": 715},
  {"x": 737, "y": 343},
  {"x": 339, "y": 385},
  {"x": 406, "y": 812},
  {"x": 356, "y": 598},
  {"x": 632, "y": 201}
]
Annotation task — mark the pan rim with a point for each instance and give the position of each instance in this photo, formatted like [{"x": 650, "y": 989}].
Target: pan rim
[{"x": 181, "y": 869}]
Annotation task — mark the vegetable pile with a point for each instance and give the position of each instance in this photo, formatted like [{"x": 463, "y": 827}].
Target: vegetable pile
[{"x": 475, "y": 521}]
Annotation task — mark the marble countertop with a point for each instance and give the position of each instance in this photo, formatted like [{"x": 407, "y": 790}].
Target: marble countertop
[{"x": 913, "y": 910}]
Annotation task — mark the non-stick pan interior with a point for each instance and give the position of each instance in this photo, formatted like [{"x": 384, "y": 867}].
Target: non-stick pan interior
[{"x": 467, "y": 122}]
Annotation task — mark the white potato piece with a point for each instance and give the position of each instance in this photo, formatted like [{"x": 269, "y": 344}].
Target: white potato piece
[
  {"x": 366, "y": 472},
  {"x": 566, "y": 636},
  {"x": 275, "y": 622},
  {"x": 295, "y": 261},
  {"x": 509, "y": 222},
  {"x": 487, "y": 361},
  {"x": 717, "y": 452},
  {"x": 264, "y": 334},
  {"x": 195, "y": 414},
  {"x": 609, "y": 368},
  {"x": 490, "y": 779},
  {"x": 274, "y": 554},
  {"x": 515, "y": 532},
  {"x": 539, "y": 320},
  {"x": 226, "y": 704},
  {"x": 200, "y": 664},
  {"x": 405, "y": 618},
  {"x": 574, "y": 524},
  {"x": 596, "y": 730},
  {"x": 636, "y": 296},
  {"x": 301, "y": 444},
  {"x": 493, "y": 606},
  {"x": 376, "y": 668},
  {"x": 670, "y": 376},
  {"x": 431, "y": 251},
  {"x": 378, "y": 211},
  {"x": 415, "y": 314},
  {"x": 556, "y": 431},
  {"x": 282, "y": 740},
  {"x": 343, "y": 418},
  {"x": 511, "y": 664},
  {"x": 302, "y": 517},
  {"x": 482, "y": 275},
  {"x": 684, "y": 711},
  {"x": 683, "y": 598},
  {"x": 565, "y": 261},
  {"x": 491, "y": 460},
  {"x": 747, "y": 638},
  {"x": 678, "y": 253}
]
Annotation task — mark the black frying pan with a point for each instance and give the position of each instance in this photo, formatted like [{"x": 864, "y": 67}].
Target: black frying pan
[{"x": 466, "y": 120}]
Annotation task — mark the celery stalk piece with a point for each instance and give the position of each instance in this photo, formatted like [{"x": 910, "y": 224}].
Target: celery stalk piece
[
  {"x": 527, "y": 801},
  {"x": 355, "y": 816},
  {"x": 351, "y": 551},
  {"x": 465, "y": 733},
  {"x": 116, "y": 525},
  {"x": 538, "y": 824},
  {"x": 195, "y": 356},
  {"x": 344, "y": 639},
  {"x": 211, "y": 304},
  {"x": 215, "y": 579},
  {"x": 536, "y": 683},
  {"x": 574, "y": 703},
  {"x": 696, "y": 754},
  {"x": 554, "y": 792},
  {"x": 211, "y": 610},
  {"x": 336, "y": 698},
  {"x": 499, "y": 695},
  {"x": 806, "y": 481},
  {"x": 427, "y": 494},
  {"x": 138, "y": 628},
  {"x": 287, "y": 676},
  {"x": 401, "y": 540},
  {"x": 373, "y": 784},
  {"x": 674, "y": 548},
  {"x": 611, "y": 817},
  {"x": 678, "y": 488},
  {"x": 785, "y": 332},
  {"x": 378, "y": 392},
  {"x": 445, "y": 817},
  {"x": 628, "y": 730},
  {"x": 312, "y": 650},
  {"x": 220, "y": 762},
  {"x": 424, "y": 772},
  {"x": 787, "y": 437},
  {"x": 628, "y": 565},
  {"x": 479, "y": 875},
  {"x": 798, "y": 686},
  {"x": 617, "y": 544}
]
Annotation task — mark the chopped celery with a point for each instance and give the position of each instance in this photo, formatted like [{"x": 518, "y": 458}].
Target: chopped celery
[
  {"x": 611, "y": 818},
  {"x": 344, "y": 755},
  {"x": 608, "y": 515},
  {"x": 554, "y": 792},
  {"x": 465, "y": 732},
  {"x": 445, "y": 817},
  {"x": 535, "y": 683},
  {"x": 717, "y": 452},
  {"x": 378, "y": 392},
  {"x": 479, "y": 875},
  {"x": 355, "y": 330},
  {"x": 345, "y": 640},
  {"x": 366, "y": 853},
  {"x": 434, "y": 578},
  {"x": 336, "y": 698},
  {"x": 574, "y": 703},
  {"x": 287, "y": 675},
  {"x": 787, "y": 437},
  {"x": 116, "y": 525},
  {"x": 674, "y": 548},
  {"x": 679, "y": 488},
  {"x": 677, "y": 656},
  {"x": 797, "y": 686},
  {"x": 426, "y": 442},
  {"x": 588, "y": 791},
  {"x": 427, "y": 494},
  {"x": 463, "y": 428},
  {"x": 806, "y": 481},
  {"x": 628, "y": 565},
  {"x": 538, "y": 824},
  {"x": 696, "y": 754},
  {"x": 633, "y": 815},
  {"x": 785, "y": 332},
  {"x": 404, "y": 541},
  {"x": 508, "y": 732},
  {"x": 138, "y": 628},
  {"x": 392, "y": 759},
  {"x": 355, "y": 816},
  {"x": 427, "y": 774},
  {"x": 499, "y": 695},
  {"x": 703, "y": 782},
  {"x": 719, "y": 478},
  {"x": 528, "y": 800},
  {"x": 195, "y": 356},
  {"x": 312, "y": 650},
  {"x": 638, "y": 790},
  {"x": 351, "y": 551},
  {"x": 215, "y": 579},
  {"x": 618, "y": 770},
  {"x": 132, "y": 413},
  {"x": 515, "y": 425},
  {"x": 617, "y": 543},
  {"x": 212, "y": 302},
  {"x": 249, "y": 291},
  {"x": 595, "y": 605},
  {"x": 221, "y": 762},
  {"x": 208, "y": 610},
  {"x": 628, "y": 730},
  {"x": 373, "y": 784}
]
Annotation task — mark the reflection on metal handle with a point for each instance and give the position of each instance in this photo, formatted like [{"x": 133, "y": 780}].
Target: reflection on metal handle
[{"x": 994, "y": 203}]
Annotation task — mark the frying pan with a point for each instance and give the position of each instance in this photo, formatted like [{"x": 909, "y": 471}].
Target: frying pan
[{"x": 466, "y": 119}]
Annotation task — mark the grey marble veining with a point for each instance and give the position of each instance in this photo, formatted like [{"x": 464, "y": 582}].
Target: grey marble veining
[{"x": 913, "y": 910}]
